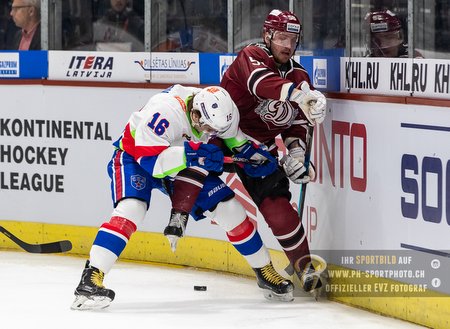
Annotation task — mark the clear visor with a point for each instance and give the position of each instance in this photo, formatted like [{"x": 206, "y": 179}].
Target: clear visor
[
  {"x": 285, "y": 39},
  {"x": 388, "y": 39},
  {"x": 207, "y": 128}
]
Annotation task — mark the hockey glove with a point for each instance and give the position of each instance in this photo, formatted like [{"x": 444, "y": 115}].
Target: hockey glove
[
  {"x": 312, "y": 102},
  {"x": 206, "y": 156},
  {"x": 293, "y": 165},
  {"x": 259, "y": 162}
]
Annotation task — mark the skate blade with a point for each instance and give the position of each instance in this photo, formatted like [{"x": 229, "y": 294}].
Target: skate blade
[
  {"x": 90, "y": 303},
  {"x": 272, "y": 296},
  {"x": 316, "y": 293},
  {"x": 173, "y": 239}
]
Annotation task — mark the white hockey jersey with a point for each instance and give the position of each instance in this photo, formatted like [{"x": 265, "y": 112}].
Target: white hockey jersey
[{"x": 160, "y": 129}]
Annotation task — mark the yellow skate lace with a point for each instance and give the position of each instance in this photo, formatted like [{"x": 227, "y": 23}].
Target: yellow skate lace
[{"x": 269, "y": 273}]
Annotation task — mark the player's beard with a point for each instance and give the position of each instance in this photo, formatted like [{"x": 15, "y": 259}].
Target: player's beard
[{"x": 282, "y": 57}]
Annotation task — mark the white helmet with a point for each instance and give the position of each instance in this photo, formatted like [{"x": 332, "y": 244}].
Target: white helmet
[{"x": 216, "y": 108}]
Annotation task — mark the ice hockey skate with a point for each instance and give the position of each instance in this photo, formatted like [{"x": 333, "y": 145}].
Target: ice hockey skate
[
  {"x": 176, "y": 227},
  {"x": 275, "y": 286},
  {"x": 91, "y": 293},
  {"x": 313, "y": 278}
]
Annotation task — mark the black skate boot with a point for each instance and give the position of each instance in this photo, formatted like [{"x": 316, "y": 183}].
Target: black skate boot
[
  {"x": 274, "y": 285},
  {"x": 176, "y": 227},
  {"x": 314, "y": 276},
  {"x": 310, "y": 279},
  {"x": 91, "y": 293}
]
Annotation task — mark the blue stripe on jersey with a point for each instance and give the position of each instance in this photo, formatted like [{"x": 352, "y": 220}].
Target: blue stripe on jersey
[
  {"x": 110, "y": 241},
  {"x": 251, "y": 246}
]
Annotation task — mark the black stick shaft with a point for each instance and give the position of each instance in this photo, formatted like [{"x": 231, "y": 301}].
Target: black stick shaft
[
  {"x": 41, "y": 248},
  {"x": 302, "y": 196}
]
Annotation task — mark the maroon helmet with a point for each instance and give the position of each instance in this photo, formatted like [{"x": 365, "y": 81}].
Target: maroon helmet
[
  {"x": 385, "y": 33},
  {"x": 285, "y": 21},
  {"x": 383, "y": 21}
]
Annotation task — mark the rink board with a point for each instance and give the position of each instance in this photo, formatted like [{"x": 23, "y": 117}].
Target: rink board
[
  {"x": 221, "y": 256},
  {"x": 382, "y": 183}
]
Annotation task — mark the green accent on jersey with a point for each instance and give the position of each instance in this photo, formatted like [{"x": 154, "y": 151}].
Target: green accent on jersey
[
  {"x": 188, "y": 99},
  {"x": 233, "y": 143},
  {"x": 173, "y": 170},
  {"x": 196, "y": 133}
]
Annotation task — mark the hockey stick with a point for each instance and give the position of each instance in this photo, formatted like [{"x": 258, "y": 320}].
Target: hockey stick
[
  {"x": 41, "y": 248},
  {"x": 233, "y": 159},
  {"x": 302, "y": 195},
  {"x": 318, "y": 264}
]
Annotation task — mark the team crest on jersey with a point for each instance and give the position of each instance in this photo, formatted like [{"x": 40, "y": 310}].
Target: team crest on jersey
[
  {"x": 276, "y": 114},
  {"x": 138, "y": 182}
]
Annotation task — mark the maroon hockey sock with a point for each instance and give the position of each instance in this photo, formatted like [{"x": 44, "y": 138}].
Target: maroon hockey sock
[
  {"x": 186, "y": 188},
  {"x": 285, "y": 224}
]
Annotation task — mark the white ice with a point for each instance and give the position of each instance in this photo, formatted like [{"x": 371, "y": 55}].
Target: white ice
[{"x": 36, "y": 291}]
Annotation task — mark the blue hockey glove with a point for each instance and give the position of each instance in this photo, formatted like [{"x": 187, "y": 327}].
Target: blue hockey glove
[
  {"x": 260, "y": 162},
  {"x": 206, "y": 156}
]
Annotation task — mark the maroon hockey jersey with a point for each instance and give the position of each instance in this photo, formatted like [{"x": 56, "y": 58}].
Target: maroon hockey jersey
[{"x": 260, "y": 89}]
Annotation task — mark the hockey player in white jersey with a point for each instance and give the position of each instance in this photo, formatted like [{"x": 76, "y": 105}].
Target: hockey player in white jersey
[{"x": 162, "y": 147}]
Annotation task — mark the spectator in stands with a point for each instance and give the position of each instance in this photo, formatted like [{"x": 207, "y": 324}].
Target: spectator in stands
[
  {"x": 120, "y": 29},
  {"x": 7, "y": 27},
  {"x": 76, "y": 24},
  {"x": 26, "y": 14},
  {"x": 385, "y": 35}
]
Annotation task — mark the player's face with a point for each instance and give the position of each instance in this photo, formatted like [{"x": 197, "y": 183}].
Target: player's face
[
  {"x": 387, "y": 43},
  {"x": 200, "y": 126},
  {"x": 207, "y": 129},
  {"x": 282, "y": 45}
]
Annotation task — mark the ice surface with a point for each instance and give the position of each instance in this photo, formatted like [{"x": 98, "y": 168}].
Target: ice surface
[{"x": 36, "y": 291}]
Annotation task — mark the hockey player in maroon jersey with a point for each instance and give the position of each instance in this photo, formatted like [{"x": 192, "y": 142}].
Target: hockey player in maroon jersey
[
  {"x": 163, "y": 146},
  {"x": 384, "y": 35},
  {"x": 274, "y": 97}
]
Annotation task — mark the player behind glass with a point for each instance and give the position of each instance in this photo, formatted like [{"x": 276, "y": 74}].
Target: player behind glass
[
  {"x": 274, "y": 97},
  {"x": 385, "y": 35},
  {"x": 162, "y": 147}
]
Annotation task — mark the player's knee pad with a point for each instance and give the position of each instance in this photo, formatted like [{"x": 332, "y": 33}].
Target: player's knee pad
[
  {"x": 228, "y": 214},
  {"x": 131, "y": 209}
]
